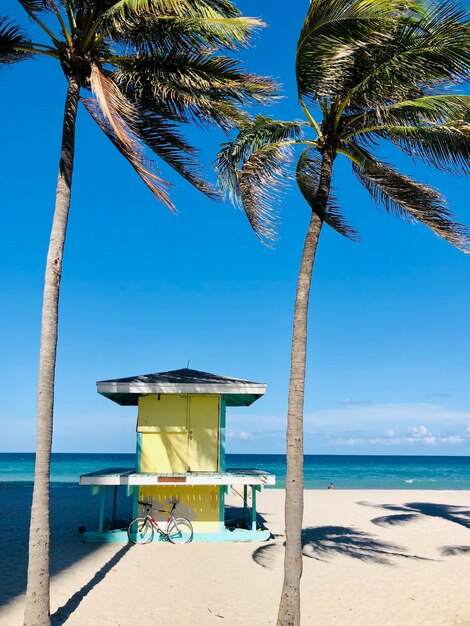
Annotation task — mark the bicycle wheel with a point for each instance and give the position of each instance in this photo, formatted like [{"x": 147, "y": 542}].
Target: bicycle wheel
[
  {"x": 180, "y": 530},
  {"x": 140, "y": 530}
]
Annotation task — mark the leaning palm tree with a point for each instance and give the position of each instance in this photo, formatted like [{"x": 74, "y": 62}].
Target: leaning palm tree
[
  {"x": 144, "y": 67},
  {"x": 366, "y": 72}
]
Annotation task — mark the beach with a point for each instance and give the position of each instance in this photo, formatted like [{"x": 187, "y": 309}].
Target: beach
[{"x": 371, "y": 557}]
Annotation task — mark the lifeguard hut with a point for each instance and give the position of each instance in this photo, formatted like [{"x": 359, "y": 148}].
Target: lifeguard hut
[{"x": 180, "y": 454}]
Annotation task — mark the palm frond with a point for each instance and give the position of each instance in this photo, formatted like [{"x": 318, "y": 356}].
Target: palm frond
[
  {"x": 182, "y": 8},
  {"x": 35, "y": 6},
  {"x": 407, "y": 198},
  {"x": 262, "y": 178},
  {"x": 199, "y": 87},
  {"x": 110, "y": 110},
  {"x": 164, "y": 139},
  {"x": 421, "y": 54},
  {"x": 11, "y": 38},
  {"x": 436, "y": 109},
  {"x": 443, "y": 146},
  {"x": 308, "y": 178},
  {"x": 252, "y": 136},
  {"x": 148, "y": 33},
  {"x": 332, "y": 34}
]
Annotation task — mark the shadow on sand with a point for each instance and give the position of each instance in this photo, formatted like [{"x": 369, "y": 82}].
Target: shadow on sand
[
  {"x": 414, "y": 511},
  {"x": 323, "y": 542},
  {"x": 455, "y": 550},
  {"x": 71, "y": 507},
  {"x": 64, "y": 612}
]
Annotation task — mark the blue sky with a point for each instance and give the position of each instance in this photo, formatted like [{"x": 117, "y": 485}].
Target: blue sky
[{"x": 144, "y": 291}]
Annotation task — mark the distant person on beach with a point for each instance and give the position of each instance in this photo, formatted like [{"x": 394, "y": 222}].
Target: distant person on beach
[{"x": 331, "y": 486}]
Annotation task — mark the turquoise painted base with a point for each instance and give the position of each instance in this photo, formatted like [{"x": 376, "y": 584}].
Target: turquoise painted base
[{"x": 120, "y": 536}]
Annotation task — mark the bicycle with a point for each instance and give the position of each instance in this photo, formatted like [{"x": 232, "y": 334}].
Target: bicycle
[{"x": 141, "y": 530}]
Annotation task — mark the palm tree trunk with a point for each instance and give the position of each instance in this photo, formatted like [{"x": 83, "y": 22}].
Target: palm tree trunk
[
  {"x": 289, "y": 609},
  {"x": 37, "y": 609}
]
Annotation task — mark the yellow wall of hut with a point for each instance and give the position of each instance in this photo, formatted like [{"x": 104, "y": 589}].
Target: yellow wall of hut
[{"x": 180, "y": 434}]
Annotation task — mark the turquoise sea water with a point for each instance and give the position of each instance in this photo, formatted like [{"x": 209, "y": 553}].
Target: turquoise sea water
[{"x": 346, "y": 472}]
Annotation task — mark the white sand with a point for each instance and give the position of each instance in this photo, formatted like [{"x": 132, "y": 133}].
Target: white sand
[{"x": 398, "y": 558}]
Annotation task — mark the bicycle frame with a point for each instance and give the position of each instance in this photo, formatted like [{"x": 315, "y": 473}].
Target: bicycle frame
[
  {"x": 154, "y": 522},
  {"x": 157, "y": 527}
]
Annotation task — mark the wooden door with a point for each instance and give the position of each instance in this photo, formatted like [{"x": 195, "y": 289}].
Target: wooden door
[
  {"x": 204, "y": 423},
  {"x": 163, "y": 422}
]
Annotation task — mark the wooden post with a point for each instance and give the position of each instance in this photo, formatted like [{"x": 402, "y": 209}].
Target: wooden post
[
  {"x": 245, "y": 504},
  {"x": 114, "y": 505},
  {"x": 253, "y": 507},
  {"x": 102, "y": 503}
]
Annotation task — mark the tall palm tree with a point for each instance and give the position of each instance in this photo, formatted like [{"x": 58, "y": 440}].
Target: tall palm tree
[
  {"x": 144, "y": 67},
  {"x": 366, "y": 72}
]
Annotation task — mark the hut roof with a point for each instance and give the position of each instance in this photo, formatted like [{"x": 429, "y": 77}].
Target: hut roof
[{"x": 126, "y": 391}]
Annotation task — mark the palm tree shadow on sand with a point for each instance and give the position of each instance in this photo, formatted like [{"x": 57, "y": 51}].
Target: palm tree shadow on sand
[
  {"x": 455, "y": 550},
  {"x": 71, "y": 507},
  {"x": 64, "y": 612},
  {"x": 324, "y": 542},
  {"x": 413, "y": 511}
]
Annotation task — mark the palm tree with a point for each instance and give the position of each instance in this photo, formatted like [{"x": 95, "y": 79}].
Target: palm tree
[
  {"x": 366, "y": 72},
  {"x": 145, "y": 67}
]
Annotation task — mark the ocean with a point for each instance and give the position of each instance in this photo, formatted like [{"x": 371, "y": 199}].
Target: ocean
[{"x": 345, "y": 472}]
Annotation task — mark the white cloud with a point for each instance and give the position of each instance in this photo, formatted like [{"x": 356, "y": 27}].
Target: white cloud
[
  {"x": 400, "y": 427},
  {"x": 418, "y": 431},
  {"x": 413, "y": 436},
  {"x": 421, "y": 434},
  {"x": 348, "y": 442},
  {"x": 452, "y": 439},
  {"x": 243, "y": 435}
]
